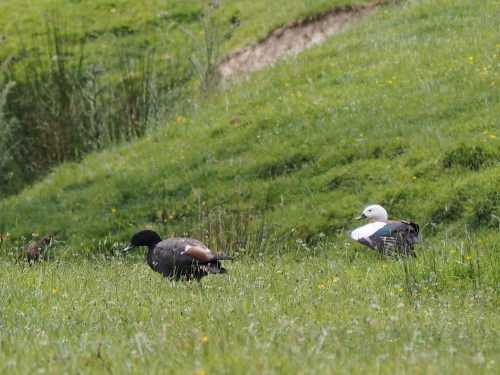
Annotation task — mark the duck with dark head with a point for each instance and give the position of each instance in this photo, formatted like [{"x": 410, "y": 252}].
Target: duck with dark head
[{"x": 178, "y": 258}]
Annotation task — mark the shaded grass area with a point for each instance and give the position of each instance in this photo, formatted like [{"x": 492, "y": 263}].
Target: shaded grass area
[
  {"x": 88, "y": 76},
  {"x": 302, "y": 310}
]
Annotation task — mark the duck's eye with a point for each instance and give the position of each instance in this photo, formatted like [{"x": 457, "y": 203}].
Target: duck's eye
[{"x": 370, "y": 210}]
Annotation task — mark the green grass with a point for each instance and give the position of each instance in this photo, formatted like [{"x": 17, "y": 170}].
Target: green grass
[
  {"x": 399, "y": 110},
  {"x": 111, "y": 21},
  {"x": 306, "y": 311}
]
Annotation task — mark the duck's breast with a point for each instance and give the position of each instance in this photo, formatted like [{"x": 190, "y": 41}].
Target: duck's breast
[{"x": 367, "y": 230}]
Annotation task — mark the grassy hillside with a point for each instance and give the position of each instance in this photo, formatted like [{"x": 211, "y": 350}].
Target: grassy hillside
[
  {"x": 399, "y": 110},
  {"x": 83, "y": 76}
]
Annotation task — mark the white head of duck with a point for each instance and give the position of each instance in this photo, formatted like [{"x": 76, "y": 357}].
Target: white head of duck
[{"x": 375, "y": 212}]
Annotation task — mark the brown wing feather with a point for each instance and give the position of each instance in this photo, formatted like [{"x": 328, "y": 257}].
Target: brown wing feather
[{"x": 200, "y": 254}]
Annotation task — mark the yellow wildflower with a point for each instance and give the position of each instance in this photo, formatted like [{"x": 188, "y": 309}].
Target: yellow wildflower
[
  {"x": 113, "y": 10},
  {"x": 113, "y": 210},
  {"x": 335, "y": 280},
  {"x": 205, "y": 339},
  {"x": 469, "y": 257},
  {"x": 54, "y": 291},
  {"x": 493, "y": 136},
  {"x": 453, "y": 251}
]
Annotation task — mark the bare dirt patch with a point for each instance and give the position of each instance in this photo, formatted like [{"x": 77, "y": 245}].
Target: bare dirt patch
[{"x": 293, "y": 38}]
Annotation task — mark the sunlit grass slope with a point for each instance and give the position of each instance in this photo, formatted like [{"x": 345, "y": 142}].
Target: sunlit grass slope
[
  {"x": 109, "y": 26},
  {"x": 399, "y": 110}
]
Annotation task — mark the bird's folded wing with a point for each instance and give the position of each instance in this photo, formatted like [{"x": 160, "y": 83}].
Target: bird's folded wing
[{"x": 201, "y": 254}]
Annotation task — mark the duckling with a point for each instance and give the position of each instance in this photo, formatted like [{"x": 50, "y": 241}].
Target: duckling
[{"x": 35, "y": 249}]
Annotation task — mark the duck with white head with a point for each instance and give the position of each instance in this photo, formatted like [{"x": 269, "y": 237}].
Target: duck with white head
[{"x": 390, "y": 237}]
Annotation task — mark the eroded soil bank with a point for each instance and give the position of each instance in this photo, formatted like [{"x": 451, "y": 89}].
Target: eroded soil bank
[{"x": 293, "y": 38}]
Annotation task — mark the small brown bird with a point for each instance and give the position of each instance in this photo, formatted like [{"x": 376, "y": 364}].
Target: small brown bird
[{"x": 35, "y": 249}]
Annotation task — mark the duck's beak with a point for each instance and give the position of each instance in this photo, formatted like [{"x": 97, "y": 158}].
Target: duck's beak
[
  {"x": 129, "y": 247},
  {"x": 362, "y": 216}
]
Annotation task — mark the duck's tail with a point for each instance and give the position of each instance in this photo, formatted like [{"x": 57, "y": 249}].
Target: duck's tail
[
  {"x": 215, "y": 268},
  {"x": 223, "y": 257}
]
